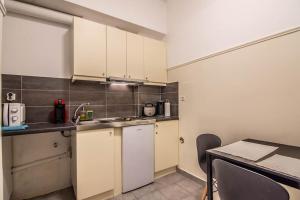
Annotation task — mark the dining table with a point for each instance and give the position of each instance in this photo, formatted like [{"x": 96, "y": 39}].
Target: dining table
[{"x": 262, "y": 165}]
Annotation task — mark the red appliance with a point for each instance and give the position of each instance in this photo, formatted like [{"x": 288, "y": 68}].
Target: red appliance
[{"x": 60, "y": 114}]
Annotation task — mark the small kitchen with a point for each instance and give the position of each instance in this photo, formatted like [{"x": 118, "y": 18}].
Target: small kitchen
[
  {"x": 149, "y": 100},
  {"x": 110, "y": 128}
]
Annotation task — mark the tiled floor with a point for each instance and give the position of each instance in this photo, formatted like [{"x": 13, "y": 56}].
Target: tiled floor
[{"x": 172, "y": 187}]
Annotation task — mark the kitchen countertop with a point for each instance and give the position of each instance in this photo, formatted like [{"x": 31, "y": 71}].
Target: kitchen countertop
[
  {"x": 69, "y": 126},
  {"x": 120, "y": 123},
  {"x": 41, "y": 128},
  {"x": 163, "y": 118}
]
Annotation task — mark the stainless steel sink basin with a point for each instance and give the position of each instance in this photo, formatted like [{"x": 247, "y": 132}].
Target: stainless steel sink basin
[
  {"x": 112, "y": 123},
  {"x": 88, "y": 122}
]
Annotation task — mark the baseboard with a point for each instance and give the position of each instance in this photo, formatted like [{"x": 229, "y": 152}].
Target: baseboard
[
  {"x": 165, "y": 172},
  {"x": 191, "y": 176}
]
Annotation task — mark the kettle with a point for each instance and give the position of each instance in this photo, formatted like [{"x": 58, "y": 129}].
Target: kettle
[{"x": 149, "y": 110}]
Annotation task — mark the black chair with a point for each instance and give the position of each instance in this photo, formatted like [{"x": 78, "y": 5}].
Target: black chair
[
  {"x": 205, "y": 142},
  {"x": 237, "y": 183}
]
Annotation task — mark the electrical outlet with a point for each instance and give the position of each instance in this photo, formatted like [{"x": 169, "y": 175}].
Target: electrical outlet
[{"x": 10, "y": 96}]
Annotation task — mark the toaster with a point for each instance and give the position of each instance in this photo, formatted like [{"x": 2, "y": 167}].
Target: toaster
[{"x": 13, "y": 114}]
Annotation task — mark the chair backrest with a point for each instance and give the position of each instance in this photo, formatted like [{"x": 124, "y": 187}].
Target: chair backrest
[
  {"x": 205, "y": 142},
  {"x": 237, "y": 183}
]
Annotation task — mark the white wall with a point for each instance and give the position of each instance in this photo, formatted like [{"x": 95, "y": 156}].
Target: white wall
[
  {"x": 36, "y": 47},
  {"x": 251, "y": 92},
  {"x": 197, "y": 28},
  {"x": 151, "y": 14}
]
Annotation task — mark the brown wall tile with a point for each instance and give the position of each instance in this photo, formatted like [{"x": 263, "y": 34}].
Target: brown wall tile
[
  {"x": 120, "y": 110},
  {"x": 78, "y": 97},
  {"x": 39, "y": 93},
  {"x": 99, "y": 111},
  {"x": 149, "y": 98},
  {"x": 11, "y": 81},
  {"x": 172, "y": 97},
  {"x": 171, "y": 87},
  {"x": 44, "y": 83},
  {"x": 174, "y": 110},
  {"x": 149, "y": 89},
  {"x": 87, "y": 86},
  {"x": 114, "y": 98},
  {"x": 119, "y": 88},
  {"x": 43, "y": 98},
  {"x": 39, "y": 114}
]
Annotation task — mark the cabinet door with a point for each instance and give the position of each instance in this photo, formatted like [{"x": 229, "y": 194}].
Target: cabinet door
[
  {"x": 95, "y": 162},
  {"x": 166, "y": 145},
  {"x": 155, "y": 65},
  {"x": 116, "y": 52},
  {"x": 135, "y": 69},
  {"x": 89, "y": 48}
]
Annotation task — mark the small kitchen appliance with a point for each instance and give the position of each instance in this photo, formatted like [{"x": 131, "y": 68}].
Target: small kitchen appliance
[
  {"x": 149, "y": 110},
  {"x": 160, "y": 108},
  {"x": 60, "y": 115},
  {"x": 13, "y": 114}
]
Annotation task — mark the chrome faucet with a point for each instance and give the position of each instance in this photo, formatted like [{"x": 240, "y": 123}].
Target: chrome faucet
[{"x": 76, "y": 117}]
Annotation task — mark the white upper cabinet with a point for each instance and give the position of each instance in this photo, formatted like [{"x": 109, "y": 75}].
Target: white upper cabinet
[
  {"x": 135, "y": 64},
  {"x": 116, "y": 52},
  {"x": 89, "y": 49},
  {"x": 155, "y": 64},
  {"x": 102, "y": 51}
]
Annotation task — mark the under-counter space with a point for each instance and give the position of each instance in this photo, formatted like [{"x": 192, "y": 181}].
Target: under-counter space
[
  {"x": 41, "y": 128},
  {"x": 97, "y": 144}
]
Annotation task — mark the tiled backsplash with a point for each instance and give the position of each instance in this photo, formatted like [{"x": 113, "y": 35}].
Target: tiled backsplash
[{"x": 107, "y": 100}]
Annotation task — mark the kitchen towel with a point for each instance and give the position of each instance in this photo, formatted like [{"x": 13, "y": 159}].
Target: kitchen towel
[
  {"x": 14, "y": 128},
  {"x": 283, "y": 164},
  {"x": 247, "y": 150}
]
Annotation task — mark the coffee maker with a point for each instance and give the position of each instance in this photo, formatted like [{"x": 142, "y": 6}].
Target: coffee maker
[
  {"x": 160, "y": 108},
  {"x": 60, "y": 114}
]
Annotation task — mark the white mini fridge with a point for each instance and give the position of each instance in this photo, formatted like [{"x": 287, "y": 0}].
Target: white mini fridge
[{"x": 137, "y": 156}]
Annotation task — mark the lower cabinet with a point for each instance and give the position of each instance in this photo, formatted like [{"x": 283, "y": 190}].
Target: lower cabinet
[
  {"x": 166, "y": 145},
  {"x": 93, "y": 162}
]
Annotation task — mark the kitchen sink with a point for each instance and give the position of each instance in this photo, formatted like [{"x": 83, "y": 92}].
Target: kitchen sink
[
  {"x": 112, "y": 123},
  {"x": 116, "y": 119},
  {"x": 88, "y": 122}
]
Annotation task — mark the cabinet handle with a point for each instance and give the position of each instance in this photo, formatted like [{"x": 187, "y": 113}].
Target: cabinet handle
[
  {"x": 156, "y": 126},
  {"x": 181, "y": 139},
  {"x": 110, "y": 133},
  {"x": 156, "y": 133},
  {"x": 124, "y": 76},
  {"x": 129, "y": 76},
  {"x": 146, "y": 78},
  {"x": 103, "y": 74}
]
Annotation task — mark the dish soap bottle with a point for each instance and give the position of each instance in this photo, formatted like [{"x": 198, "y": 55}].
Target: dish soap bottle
[
  {"x": 83, "y": 115},
  {"x": 167, "y": 108}
]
